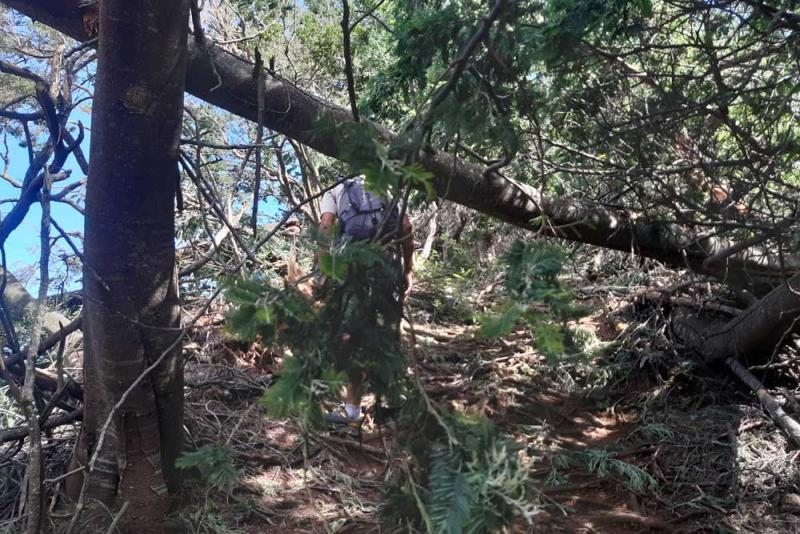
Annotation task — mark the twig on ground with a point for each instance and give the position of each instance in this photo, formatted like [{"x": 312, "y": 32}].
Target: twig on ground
[
  {"x": 781, "y": 418},
  {"x": 113, "y": 526}
]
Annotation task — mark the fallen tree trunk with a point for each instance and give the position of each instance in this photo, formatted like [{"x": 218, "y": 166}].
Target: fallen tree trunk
[
  {"x": 756, "y": 332},
  {"x": 225, "y": 80}
]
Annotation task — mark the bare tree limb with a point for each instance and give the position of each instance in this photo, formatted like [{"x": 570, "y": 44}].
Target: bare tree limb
[
  {"x": 773, "y": 407},
  {"x": 13, "y": 434},
  {"x": 48, "y": 343},
  {"x": 35, "y": 470},
  {"x": 202, "y": 186},
  {"x": 258, "y": 74},
  {"x": 348, "y": 59}
]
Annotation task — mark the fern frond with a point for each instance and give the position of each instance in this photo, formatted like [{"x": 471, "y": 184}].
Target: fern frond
[{"x": 449, "y": 494}]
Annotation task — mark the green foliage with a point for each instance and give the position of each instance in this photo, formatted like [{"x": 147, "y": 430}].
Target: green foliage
[
  {"x": 465, "y": 477},
  {"x": 262, "y": 310},
  {"x": 570, "y": 21},
  {"x": 549, "y": 338},
  {"x": 535, "y": 297},
  {"x": 214, "y": 463},
  {"x": 354, "y": 334},
  {"x": 468, "y": 478},
  {"x": 449, "y": 494},
  {"x": 603, "y": 463},
  {"x": 333, "y": 266},
  {"x": 502, "y": 324},
  {"x": 360, "y": 146}
]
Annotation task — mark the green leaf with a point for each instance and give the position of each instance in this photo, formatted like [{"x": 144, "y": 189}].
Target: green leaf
[
  {"x": 214, "y": 463},
  {"x": 449, "y": 493},
  {"x": 264, "y": 315},
  {"x": 333, "y": 266},
  {"x": 242, "y": 321},
  {"x": 549, "y": 339},
  {"x": 494, "y": 326}
]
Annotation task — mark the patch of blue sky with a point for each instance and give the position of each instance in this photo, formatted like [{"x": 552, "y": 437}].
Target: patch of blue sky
[{"x": 23, "y": 245}]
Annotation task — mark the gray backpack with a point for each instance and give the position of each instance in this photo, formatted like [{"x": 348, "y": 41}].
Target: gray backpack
[{"x": 362, "y": 214}]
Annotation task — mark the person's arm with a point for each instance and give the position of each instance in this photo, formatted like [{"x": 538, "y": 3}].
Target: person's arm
[
  {"x": 326, "y": 222},
  {"x": 407, "y": 246}
]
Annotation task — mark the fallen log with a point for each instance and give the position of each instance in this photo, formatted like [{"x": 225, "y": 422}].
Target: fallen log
[{"x": 755, "y": 333}]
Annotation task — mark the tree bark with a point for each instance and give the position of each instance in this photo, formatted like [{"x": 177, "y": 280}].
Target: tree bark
[
  {"x": 225, "y": 80},
  {"x": 755, "y": 333},
  {"x": 129, "y": 229}
]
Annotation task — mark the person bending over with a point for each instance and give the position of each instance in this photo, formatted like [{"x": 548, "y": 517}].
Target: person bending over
[{"x": 369, "y": 301}]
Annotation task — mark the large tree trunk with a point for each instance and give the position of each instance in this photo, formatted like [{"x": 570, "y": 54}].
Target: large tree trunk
[
  {"x": 136, "y": 121},
  {"x": 227, "y": 81}
]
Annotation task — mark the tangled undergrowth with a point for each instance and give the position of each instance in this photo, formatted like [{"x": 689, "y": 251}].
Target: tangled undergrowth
[{"x": 624, "y": 435}]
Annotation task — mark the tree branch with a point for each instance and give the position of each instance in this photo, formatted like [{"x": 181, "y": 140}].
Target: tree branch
[
  {"x": 17, "y": 433},
  {"x": 348, "y": 59}
]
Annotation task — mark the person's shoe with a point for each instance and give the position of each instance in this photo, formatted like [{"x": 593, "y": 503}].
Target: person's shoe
[{"x": 341, "y": 424}]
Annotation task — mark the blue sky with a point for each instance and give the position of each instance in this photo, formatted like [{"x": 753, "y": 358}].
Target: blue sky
[{"x": 22, "y": 246}]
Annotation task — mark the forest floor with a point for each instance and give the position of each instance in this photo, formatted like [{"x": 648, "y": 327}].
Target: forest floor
[
  {"x": 626, "y": 436},
  {"x": 621, "y": 438}
]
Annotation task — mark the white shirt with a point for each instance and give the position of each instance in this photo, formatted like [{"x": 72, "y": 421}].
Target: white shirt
[{"x": 330, "y": 200}]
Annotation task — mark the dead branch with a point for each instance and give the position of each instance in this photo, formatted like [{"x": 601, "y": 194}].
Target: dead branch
[
  {"x": 773, "y": 407},
  {"x": 48, "y": 343},
  {"x": 217, "y": 146},
  {"x": 21, "y": 432},
  {"x": 288, "y": 215},
  {"x": 216, "y": 241},
  {"x": 36, "y": 510},
  {"x": 202, "y": 186},
  {"x": 258, "y": 74},
  {"x": 348, "y": 59}
]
